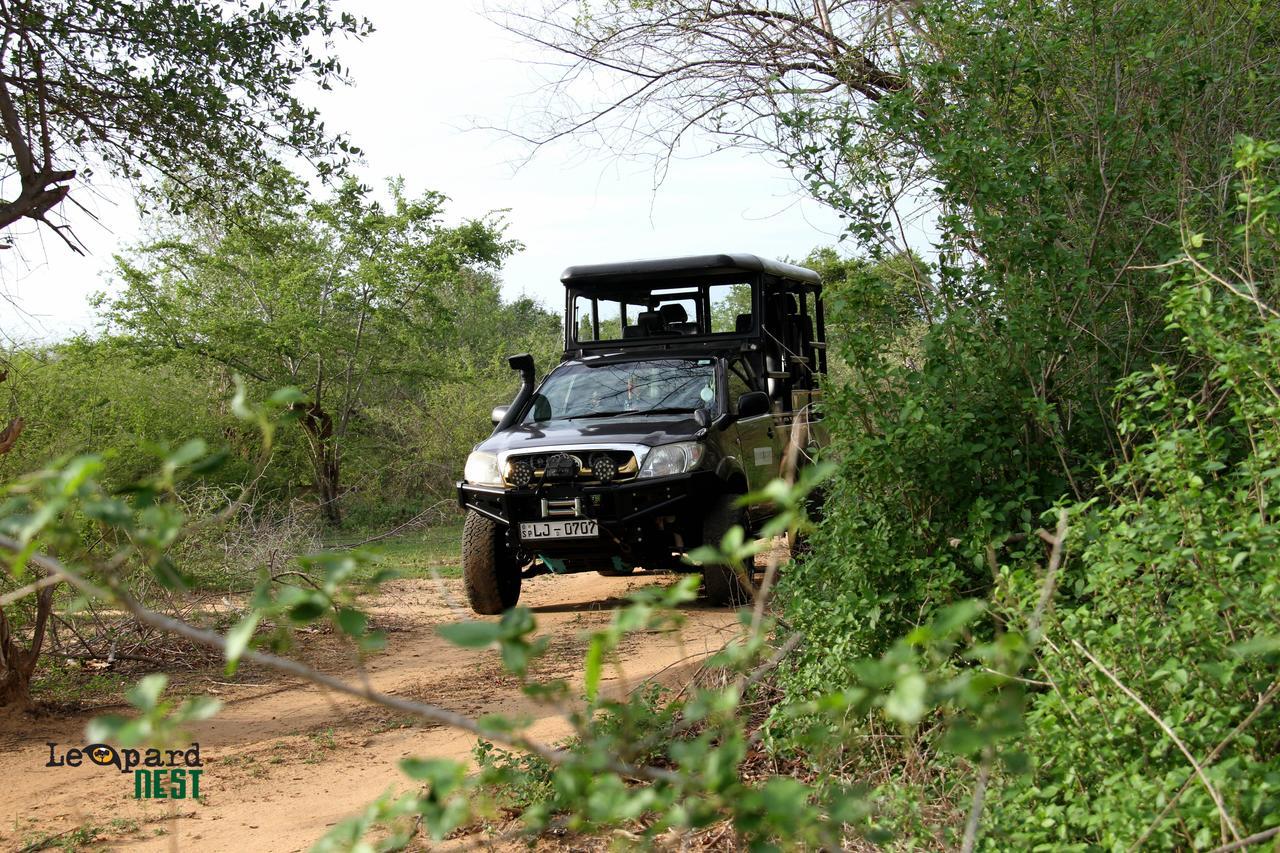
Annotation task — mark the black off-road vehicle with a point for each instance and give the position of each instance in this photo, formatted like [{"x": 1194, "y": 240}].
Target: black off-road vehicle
[{"x": 681, "y": 382}]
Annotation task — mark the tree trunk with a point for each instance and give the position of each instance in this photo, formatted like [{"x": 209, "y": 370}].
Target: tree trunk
[
  {"x": 325, "y": 459},
  {"x": 18, "y": 663},
  {"x": 327, "y": 473}
]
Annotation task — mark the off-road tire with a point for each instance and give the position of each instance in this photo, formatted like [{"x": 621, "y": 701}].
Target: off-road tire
[
  {"x": 721, "y": 584},
  {"x": 489, "y": 572}
]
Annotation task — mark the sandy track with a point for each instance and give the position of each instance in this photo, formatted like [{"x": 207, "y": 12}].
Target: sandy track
[{"x": 284, "y": 760}]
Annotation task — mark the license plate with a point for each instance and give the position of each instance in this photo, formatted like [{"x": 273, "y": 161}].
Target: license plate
[{"x": 576, "y": 529}]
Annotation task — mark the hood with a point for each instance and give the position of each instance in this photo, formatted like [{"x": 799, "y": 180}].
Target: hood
[{"x": 649, "y": 430}]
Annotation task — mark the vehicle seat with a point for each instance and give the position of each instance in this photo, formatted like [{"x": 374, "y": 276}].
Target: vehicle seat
[
  {"x": 676, "y": 319},
  {"x": 650, "y": 324},
  {"x": 743, "y": 323}
]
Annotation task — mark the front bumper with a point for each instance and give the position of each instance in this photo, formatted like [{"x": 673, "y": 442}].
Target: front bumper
[{"x": 656, "y": 516}]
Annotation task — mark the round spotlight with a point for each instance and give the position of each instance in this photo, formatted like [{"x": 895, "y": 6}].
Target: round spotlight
[
  {"x": 520, "y": 473},
  {"x": 603, "y": 467}
]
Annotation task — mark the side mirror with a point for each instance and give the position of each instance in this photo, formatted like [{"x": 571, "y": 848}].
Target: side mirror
[
  {"x": 753, "y": 404},
  {"x": 498, "y": 413}
]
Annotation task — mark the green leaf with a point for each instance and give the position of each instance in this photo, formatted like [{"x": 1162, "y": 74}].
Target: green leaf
[
  {"x": 906, "y": 702},
  {"x": 167, "y": 574},
  {"x": 593, "y": 667},
  {"x": 197, "y": 708},
  {"x": 146, "y": 693},
  {"x": 442, "y": 774},
  {"x": 309, "y": 609},
  {"x": 374, "y": 641},
  {"x": 105, "y": 729},
  {"x": 472, "y": 634},
  {"x": 210, "y": 463},
  {"x": 496, "y": 724},
  {"x": 187, "y": 453},
  {"x": 238, "y": 639},
  {"x": 352, "y": 622},
  {"x": 1259, "y": 645},
  {"x": 287, "y": 396}
]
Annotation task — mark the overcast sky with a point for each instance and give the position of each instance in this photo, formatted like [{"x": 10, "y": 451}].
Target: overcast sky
[{"x": 430, "y": 74}]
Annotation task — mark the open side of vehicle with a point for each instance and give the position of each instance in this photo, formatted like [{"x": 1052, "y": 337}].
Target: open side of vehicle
[{"x": 678, "y": 391}]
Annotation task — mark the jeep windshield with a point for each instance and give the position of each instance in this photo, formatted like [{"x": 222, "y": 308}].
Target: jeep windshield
[{"x": 651, "y": 387}]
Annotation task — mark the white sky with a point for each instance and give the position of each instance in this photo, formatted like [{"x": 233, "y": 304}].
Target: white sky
[{"x": 429, "y": 75}]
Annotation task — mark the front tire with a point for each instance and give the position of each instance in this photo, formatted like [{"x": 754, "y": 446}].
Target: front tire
[
  {"x": 490, "y": 572},
  {"x": 722, "y": 584}
]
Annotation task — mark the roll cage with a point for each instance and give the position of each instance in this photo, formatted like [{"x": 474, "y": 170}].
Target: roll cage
[{"x": 696, "y": 304}]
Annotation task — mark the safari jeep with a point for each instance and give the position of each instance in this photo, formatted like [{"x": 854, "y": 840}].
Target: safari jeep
[{"x": 680, "y": 385}]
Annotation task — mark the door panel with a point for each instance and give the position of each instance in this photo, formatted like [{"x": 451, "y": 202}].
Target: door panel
[{"x": 758, "y": 439}]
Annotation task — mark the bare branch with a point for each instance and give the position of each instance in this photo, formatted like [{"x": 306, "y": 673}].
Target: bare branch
[{"x": 730, "y": 68}]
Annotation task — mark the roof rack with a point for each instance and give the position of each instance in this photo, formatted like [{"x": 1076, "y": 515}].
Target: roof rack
[{"x": 691, "y": 266}]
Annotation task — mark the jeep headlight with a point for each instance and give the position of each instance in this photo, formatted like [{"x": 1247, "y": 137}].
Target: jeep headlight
[
  {"x": 482, "y": 469},
  {"x": 667, "y": 459}
]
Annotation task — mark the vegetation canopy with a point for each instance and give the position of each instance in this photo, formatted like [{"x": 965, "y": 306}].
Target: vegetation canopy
[{"x": 203, "y": 95}]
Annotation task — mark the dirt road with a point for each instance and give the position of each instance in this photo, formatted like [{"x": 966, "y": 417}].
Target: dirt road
[{"x": 284, "y": 761}]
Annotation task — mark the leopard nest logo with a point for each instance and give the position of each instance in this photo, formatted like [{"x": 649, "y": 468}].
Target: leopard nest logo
[{"x": 169, "y": 774}]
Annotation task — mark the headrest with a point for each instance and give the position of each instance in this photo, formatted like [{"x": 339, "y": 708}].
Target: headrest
[
  {"x": 743, "y": 323},
  {"x": 673, "y": 312},
  {"x": 650, "y": 322}
]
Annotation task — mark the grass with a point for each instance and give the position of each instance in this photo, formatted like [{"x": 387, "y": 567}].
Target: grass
[
  {"x": 72, "y": 839},
  {"x": 67, "y": 684},
  {"x": 321, "y": 743},
  {"x": 415, "y": 555}
]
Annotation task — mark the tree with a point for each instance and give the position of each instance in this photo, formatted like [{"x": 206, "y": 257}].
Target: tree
[
  {"x": 201, "y": 94},
  {"x": 340, "y": 299},
  {"x": 18, "y": 659},
  {"x": 640, "y": 77}
]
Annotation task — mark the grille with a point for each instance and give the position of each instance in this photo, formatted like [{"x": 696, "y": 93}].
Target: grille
[{"x": 527, "y": 469}]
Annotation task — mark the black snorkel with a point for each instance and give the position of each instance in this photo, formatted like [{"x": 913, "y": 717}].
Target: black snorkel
[{"x": 524, "y": 364}]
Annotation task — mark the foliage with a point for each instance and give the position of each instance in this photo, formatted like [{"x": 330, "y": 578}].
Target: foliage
[
  {"x": 203, "y": 94},
  {"x": 1167, "y": 593},
  {"x": 92, "y": 395},
  {"x": 517, "y": 781},
  {"x": 358, "y": 303},
  {"x": 1056, "y": 187},
  {"x": 64, "y": 507},
  {"x": 618, "y": 738},
  {"x": 1176, "y": 592}
]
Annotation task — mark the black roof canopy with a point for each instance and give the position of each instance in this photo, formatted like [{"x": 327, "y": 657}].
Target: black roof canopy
[{"x": 647, "y": 272}]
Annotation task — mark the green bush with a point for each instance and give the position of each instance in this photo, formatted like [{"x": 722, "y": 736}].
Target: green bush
[{"x": 1165, "y": 612}]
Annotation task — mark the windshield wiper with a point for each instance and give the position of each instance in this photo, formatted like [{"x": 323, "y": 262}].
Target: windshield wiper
[{"x": 665, "y": 411}]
